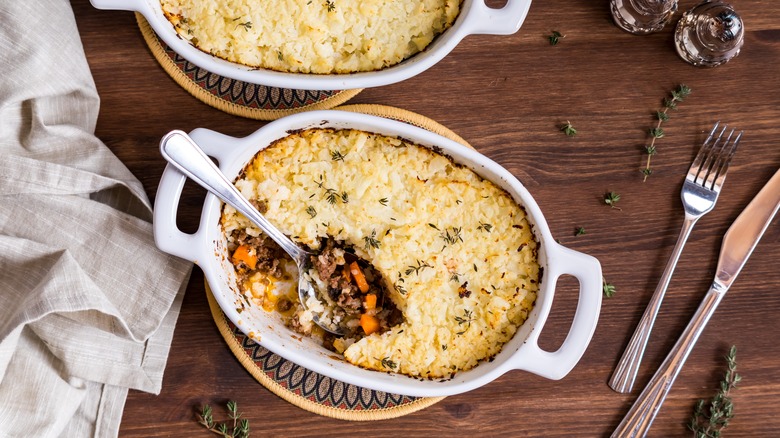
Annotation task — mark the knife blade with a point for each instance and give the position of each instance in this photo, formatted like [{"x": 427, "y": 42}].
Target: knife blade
[
  {"x": 747, "y": 229},
  {"x": 738, "y": 244}
]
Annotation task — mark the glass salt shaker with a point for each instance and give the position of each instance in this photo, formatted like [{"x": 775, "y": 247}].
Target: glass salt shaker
[
  {"x": 709, "y": 34},
  {"x": 641, "y": 17}
]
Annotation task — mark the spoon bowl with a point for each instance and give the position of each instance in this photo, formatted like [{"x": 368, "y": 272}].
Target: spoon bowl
[{"x": 181, "y": 151}]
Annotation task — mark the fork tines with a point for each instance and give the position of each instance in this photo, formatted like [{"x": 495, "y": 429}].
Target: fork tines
[{"x": 711, "y": 163}]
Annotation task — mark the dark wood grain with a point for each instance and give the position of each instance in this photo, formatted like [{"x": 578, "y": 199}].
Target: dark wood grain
[{"x": 506, "y": 95}]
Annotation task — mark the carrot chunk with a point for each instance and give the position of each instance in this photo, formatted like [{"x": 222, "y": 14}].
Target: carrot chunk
[
  {"x": 246, "y": 255},
  {"x": 360, "y": 278},
  {"x": 369, "y": 301},
  {"x": 369, "y": 323}
]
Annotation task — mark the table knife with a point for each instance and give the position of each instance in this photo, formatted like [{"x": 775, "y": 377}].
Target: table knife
[{"x": 738, "y": 243}]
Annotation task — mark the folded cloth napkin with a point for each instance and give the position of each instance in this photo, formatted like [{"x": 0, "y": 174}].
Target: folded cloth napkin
[{"x": 87, "y": 302}]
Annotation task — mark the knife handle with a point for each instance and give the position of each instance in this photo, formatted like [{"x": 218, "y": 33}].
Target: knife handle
[{"x": 637, "y": 421}]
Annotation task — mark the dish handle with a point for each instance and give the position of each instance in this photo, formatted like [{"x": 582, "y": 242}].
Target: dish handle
[
  {"x": 121, "y": 5},
  {"x": 557, "y": 364},
  {"x": 497, "y": 21},
  {"x": 167, "y": 235}
]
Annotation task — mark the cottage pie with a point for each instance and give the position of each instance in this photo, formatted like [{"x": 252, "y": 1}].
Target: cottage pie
[
  {"x": 453, "y": 259},
  {"x": 312, "y": 36}
]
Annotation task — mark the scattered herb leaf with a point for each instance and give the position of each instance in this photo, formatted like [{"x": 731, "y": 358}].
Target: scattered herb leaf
[
  {"x": 611, "y": 199},
  {"x": 579, "y": 231},
  {"x": 608, "y": 288},
  {"x": 555, "y": 37},
  {"x": 568, "y": 129},
  {"x": 312, "y": 212}
]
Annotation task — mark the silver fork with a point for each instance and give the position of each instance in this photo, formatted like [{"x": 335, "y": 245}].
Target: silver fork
[{"x": 699, "y": 193}]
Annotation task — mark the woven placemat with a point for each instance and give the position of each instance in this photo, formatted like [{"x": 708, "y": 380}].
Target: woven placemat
[
  {"x": 305, "y": 388},
  {"x": 235, "y": 97}
]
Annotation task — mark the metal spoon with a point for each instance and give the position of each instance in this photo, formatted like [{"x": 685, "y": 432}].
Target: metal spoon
[{"x": 181, "y": 151}]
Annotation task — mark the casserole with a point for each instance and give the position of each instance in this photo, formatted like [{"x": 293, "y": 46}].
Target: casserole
[
  {"x": 207, "y": 248},
  {"x": 475, "y": 18}
]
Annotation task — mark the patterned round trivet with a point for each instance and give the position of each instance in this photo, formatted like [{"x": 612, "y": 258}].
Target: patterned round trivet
[
  {"x": 236, "y": 97},
  {"x": 305, "y": 388}
]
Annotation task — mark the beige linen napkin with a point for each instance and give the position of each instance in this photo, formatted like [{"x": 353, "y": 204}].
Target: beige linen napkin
[{"x": 87, "y": 302}]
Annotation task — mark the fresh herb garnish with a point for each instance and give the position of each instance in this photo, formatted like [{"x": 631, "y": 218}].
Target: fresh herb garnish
[
  {"x": 371, "y": 241},
  {"x": 710, "y": 420},
  {"x": 312, "y": 212},
  {"x": 484, "y": 227},
  {"x": 330, "y": 5},
  {"x": 568, "y": 129},
  {"x": 467, "y": 318},
  {"x": 331, "y": 195},
  {"x": 554, "y": 37},
  {"x": 239, "y": 429},
  {"x": 416, "y": 269},
  {"x": 662, "y": 115},
  {"x": 451, "y": 239},
  {"x": 383, "y": 201},
  {"x": 387, "y": 363},
  {"x": 398, "y": 285},
  {"x": 579, "y": 231},
  {"x": 246, "y": 25},
  {"x": 611, "y": 199},
  {"x": 337, "y": 156}
]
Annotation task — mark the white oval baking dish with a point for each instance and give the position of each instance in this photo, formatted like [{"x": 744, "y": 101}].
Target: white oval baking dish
[
  {"x": 207, "y": 248},
  {"x": 475, "y": 18}
]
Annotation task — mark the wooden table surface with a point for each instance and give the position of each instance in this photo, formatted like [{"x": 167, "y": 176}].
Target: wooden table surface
[{"x": 507, "y": 96}]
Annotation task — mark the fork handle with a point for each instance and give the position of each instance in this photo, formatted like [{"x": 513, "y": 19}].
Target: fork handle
[
  {"x": 637, "y": 421},
  {"x": 626, "y": 370}
]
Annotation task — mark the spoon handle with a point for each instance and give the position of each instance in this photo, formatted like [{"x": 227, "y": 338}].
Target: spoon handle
[{"x": 181, "y": 151}]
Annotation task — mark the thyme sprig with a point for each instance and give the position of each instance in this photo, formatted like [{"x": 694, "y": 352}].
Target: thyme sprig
[
  {"x": 662, "y": 115},
  {"x": 246, "y": 25},
  {"x": 451, "y": 239},
  {"x": 331, "y": 195},
  {"x": 238, "y": 429},
  {"x": 484, "y": 227},
  {"x": 388, "y": 363},
  {"x": 467, "y": 318},
  {"x": 337, "y": 156},
  {"x": 708, "y": 421},
  {"x": 416, "y": 269},
  {"x": 371, "y": 241},
  {"x": 579, "y": 231}
]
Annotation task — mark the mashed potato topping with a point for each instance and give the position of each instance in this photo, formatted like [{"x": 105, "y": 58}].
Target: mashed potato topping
[
  {"x": 456, "y": 252},
  {"x": 312, "y": 36}
]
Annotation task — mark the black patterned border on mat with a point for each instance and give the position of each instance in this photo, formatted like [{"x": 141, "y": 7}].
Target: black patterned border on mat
[
  {"x": 246, "y": 94},
  {"x": 316, "y": 387}
]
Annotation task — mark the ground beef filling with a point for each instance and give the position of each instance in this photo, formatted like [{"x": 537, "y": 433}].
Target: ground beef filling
[{"x": 355, "y": 290}]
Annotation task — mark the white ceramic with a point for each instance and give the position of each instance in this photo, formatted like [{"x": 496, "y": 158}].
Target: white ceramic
[
  {"x": 475, "y": 18},
  {"x": 207, "y": 248}
]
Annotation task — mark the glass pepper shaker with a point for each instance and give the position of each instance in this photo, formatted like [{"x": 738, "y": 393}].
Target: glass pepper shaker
[
  {"x": 641, "y": 17},
  {"x": 709, "y": 34}
]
